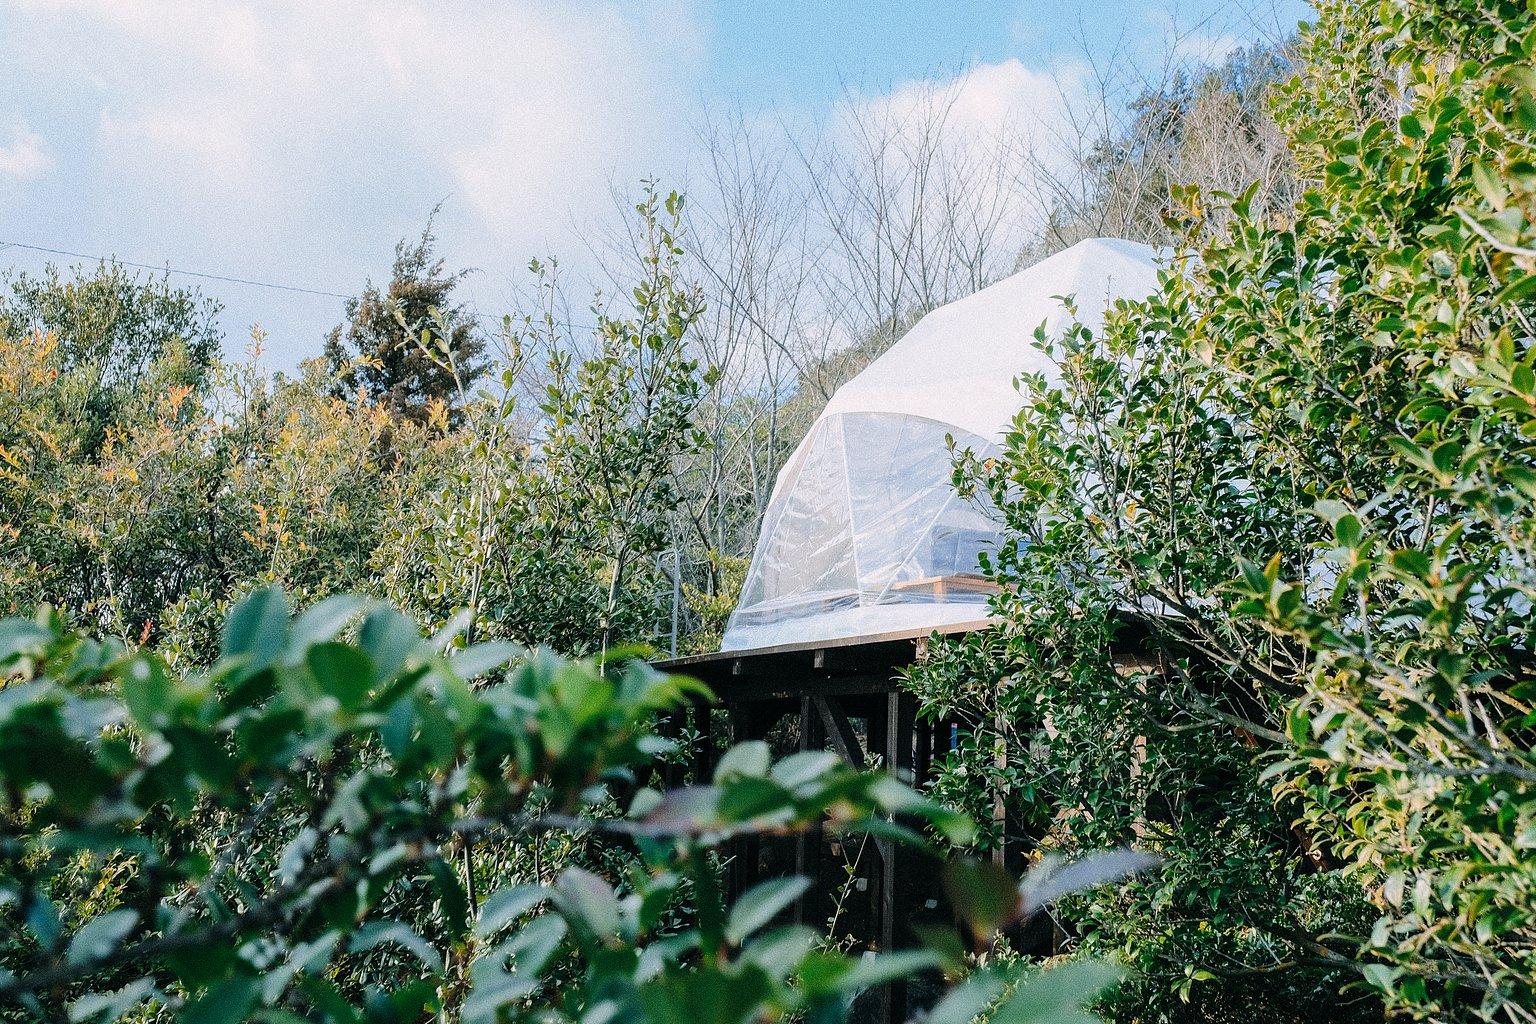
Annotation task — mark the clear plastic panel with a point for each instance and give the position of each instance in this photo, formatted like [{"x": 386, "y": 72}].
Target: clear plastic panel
[
  {"x": 805, "y": 553},
  {"x": 866, "y": 534}
]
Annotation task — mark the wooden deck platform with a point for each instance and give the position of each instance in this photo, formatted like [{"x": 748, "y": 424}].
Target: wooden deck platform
[{"x": 839, "y": 695}]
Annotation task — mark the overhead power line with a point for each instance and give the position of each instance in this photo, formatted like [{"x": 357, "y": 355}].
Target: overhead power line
[
  {"x": 228, "y": 279},
  {"x": 172, "y": 270}
]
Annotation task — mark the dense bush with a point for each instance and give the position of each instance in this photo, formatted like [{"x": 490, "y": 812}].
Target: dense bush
[
  {"x": 281, "y": 838},
  {"x": 144, "y": 485},
  {"x": 1295, "y": 487},
  {"x": 545, "y": 522},
  {"x": 117, "y": 338},
  {"x": 374, "y": 357}
]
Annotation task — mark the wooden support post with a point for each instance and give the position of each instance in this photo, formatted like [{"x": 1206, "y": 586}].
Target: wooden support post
[
  {"x": 839, "y": 730},
  {"x": 808, "y": 842},
  {"x": 900, "y": 744},
  {"x": 704, "y": 753},
  {"x": 922, "y": 754},
  {"x": 899, "y": 739}
]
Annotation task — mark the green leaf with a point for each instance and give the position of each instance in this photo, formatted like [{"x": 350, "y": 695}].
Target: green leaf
[
  {"x": 1523, "y": 479},
  {"x": 257, "y": 630},
  {"x": 397, "y": 933},
  {"x": 99, "y": 937},
  {"x": 342, "y": 671},
  {"x": 751, "y": 759},
  {"x": 1521, "y": 288},
  {"x": 589, "y": 899},
  {"x": 106, "y": 1007},
  {"x": 1381, "y": 976},
  {"x": 748, "y": 797},
  {"x": 1253, "y": 576},
  {"x": 147, "y": 692},
  {"x": 399, "y": 725},
  {"x": 984, "y": 894},
  {"x": 474, "y": 662},
  {"x": 868, "y": 972},
  {"x": 296, "y": 854},
  {"x": 43, "y": 921},
  {"x": 804, "y": 767},
  {"x": 21, "y": 636},
  {"x": 1446, "y": 456},
  {"x": 492, "y": 986},
  {"x": 452, "y": 902},
  {"x": 389, "y": 638},
  {"x": 325, "y": 996},
  {"x": 321, "y": 622},
  {"x": 1409, "y": 451},
  {"x": 1347, "y": 531},
  {"x": 1048, "y": 882},
  {"x": 947, "y": 942},
  {"x": 1059, "y": 993},
  {"x": 305, "y": 958},
  {"x": 760, "y": 904},
  {"x": 504, "y": 906},
  {"x": 227, "y": 1002},
  {"x": 966, "y": 1001},
  {"x": 1412, "y": 562},
  {"x": 654, "y": 899},
  {"x": 782, "y": 950}
]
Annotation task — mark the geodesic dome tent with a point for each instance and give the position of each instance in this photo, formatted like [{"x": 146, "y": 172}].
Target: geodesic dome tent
[{"x": 864, "y": 533}]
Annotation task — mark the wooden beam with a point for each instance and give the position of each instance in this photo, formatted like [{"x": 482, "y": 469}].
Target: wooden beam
[
  {"x": 691, "y": 661},
  {"x": 783, "y": 686},
  {"x": 839, "y": 730}
]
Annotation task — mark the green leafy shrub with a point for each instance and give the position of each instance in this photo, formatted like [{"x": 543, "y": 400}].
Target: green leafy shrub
[
  {"x": 280, "y": 838},
  {"x": 1269, "y": 587},
  {"x": 545, "y": 523}
]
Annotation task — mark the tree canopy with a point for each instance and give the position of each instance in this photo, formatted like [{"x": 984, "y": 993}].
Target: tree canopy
[{"x": 383, "y": 352}]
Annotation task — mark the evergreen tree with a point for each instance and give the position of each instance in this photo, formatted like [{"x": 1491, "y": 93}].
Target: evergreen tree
[{"x": 378, "y": 353}]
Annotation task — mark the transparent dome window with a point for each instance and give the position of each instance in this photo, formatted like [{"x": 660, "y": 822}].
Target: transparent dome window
[{"x": 866, "y": 534}]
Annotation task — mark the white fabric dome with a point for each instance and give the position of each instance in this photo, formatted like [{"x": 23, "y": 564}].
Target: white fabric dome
[{"x": 864, "y": 532}]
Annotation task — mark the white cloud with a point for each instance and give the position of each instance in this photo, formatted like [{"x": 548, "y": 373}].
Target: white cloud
[
  {"x": 519, "y": 108},
  {"x": 1206, "y": 47},
  {"x": 996, "y": 123},
  {"x": 1006, "y": 101},
  {"x": 250, "y": 133},
  {"x": 294, "y": 141},
  {"x": 23, "y": 154}
]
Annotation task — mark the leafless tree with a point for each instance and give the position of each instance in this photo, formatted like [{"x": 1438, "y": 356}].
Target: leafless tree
[{"x": 819, "y": 244}]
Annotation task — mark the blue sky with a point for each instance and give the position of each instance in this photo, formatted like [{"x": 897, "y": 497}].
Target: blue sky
[
  {"x": 294, "y": 142},
  {"x": 799, "y": 51}
]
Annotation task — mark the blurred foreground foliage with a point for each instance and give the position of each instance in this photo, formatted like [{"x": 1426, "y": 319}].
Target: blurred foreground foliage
[{"x": 283, "y": 838}]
